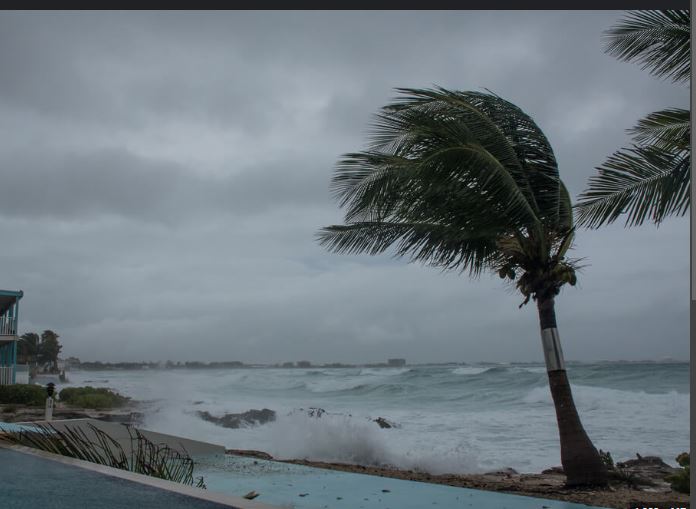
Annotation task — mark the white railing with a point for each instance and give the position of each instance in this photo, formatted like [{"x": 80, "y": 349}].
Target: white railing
[
  {"x": 6, "y": 375},
  {"x": 8, "y": 326}
]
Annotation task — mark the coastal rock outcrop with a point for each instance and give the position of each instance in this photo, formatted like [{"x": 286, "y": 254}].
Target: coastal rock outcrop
[
  {"x": 385, "y": 424},
  {"x": 310, "y": 412},
  {"x": 249, "y": 418}
]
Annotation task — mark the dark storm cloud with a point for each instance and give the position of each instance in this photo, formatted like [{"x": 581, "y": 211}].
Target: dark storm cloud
[
  {"x": 163, "y": 176},
  {"x": 89, "y": 184}
]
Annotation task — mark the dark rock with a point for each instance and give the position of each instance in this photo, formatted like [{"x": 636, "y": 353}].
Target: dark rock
[
  {"x": 644, "y": 461},
  {"x": 385, "y": 424},
  {"x": 553, "y": 470},
  {"x": 644, "y": 470},
  {"x": 505, "y": 471},
  {"x": 234, "y": 421}
]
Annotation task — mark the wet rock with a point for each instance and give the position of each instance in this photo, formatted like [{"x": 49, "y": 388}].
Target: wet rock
[
  {"x": 649, "y": 463},
  {"x": 644, "y": 471},
  {"x": 505, "y": 471},
  {"x": 314, "y": 412},
  {"x": 234, "y": 421},
  {"x": 254, "y": 454},
  {"x": 385, "y": 424},
  {"x": 553, "y": 470}
]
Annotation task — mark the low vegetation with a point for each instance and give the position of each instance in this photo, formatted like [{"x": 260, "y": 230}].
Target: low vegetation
[
  {"x": 681, "y": 480},
  {"x": 23, "y": 394},
  {"x": 92, "y": 397},
  {"x": 94, "y": 445}
]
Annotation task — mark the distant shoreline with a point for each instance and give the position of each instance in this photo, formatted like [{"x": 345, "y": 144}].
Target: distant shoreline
[{"x": 195, "y": 365}]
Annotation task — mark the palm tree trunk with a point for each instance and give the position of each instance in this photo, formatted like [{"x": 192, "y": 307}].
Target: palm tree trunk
[{"x": 581, "y": 462}]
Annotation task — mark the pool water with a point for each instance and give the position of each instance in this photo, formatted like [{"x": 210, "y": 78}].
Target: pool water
[
  {"x": 30, "y": 481},
  {"x": 300, "y": 487}
]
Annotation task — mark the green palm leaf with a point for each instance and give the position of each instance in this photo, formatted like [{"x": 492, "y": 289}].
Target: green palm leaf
[
  {"x": 446, "y": 176},
  {"x": 433, "y": 244},
  {"x": 643, "y": 182},
  {"x": 657, "y": 40},
  {"x": 669, "y": 129},
  {"x": 652, "y": 179}
]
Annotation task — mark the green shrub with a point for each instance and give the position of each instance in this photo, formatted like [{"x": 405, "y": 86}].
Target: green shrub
[
  {"x": 606, "y": 459},
  {"x": 680, "y": 480},
  {"x": 23, "y": 394},
  {"x": 92, "y": 397},
  {"x": 9, "y": 409}
]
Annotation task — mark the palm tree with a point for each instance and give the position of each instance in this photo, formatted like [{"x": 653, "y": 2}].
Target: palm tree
[
  {"x": 652, "y": 179},
  {"x": 468, "y": 181},
  {"x": 29, "y": 347}
]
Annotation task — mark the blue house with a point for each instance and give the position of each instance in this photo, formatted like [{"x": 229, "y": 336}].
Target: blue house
[{"x": 9, "y": 314}]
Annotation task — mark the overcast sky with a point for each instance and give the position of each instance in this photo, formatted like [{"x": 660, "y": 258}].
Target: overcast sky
[{"x": 163, "y": 176}]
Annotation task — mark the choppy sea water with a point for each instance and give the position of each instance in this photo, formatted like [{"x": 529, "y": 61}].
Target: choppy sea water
[{"x": 451, "y": 418}]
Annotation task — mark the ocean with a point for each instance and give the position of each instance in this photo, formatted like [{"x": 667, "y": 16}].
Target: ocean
[{"x": 449, "y": 418}]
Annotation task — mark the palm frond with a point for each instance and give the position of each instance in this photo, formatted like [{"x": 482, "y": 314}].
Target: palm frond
[
  {"x": 669, "y": 129},
  {"x": 657, "y": 40},
  {"x": 432, "y": 244},
  {"x": 508, "y": 133},
  {"x": 642, "y": 182},
  {"x": 94, "y": 445}
]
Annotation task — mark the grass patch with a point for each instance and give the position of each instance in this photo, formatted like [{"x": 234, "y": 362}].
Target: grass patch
[
  {"x": 92, "y": 397},
  {"x": 23, "y": 394}
]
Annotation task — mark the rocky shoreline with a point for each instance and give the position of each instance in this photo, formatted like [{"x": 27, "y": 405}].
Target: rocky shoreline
[{"x": 639, "y": 480}]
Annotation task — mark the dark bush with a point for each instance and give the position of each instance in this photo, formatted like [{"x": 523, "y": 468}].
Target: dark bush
[
  {"x": 681, "y": 480},
  {"x": 23, "y": 394},
  {"x": 92, "y": 397}
]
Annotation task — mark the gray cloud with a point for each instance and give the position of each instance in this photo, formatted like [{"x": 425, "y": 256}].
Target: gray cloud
[{"x": 163, "y": 176}]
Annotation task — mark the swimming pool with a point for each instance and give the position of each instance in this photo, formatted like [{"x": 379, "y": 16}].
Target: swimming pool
[
  {"x": 300, "y": 487},
  {"x": 30, "y": 479}
]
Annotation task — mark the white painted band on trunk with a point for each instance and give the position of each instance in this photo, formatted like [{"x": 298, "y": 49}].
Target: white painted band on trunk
[{"x": 553, "y": 355}]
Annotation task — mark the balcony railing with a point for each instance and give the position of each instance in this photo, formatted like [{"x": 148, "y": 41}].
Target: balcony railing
[
  {"x": 6, "y": 375},
  {"x": 8, "y": 326}
]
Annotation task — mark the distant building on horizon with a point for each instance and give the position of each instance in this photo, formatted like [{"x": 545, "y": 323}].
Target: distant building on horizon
[
  {"x": 396, "y": 363},
  {"x": 304, "y": 364}
]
